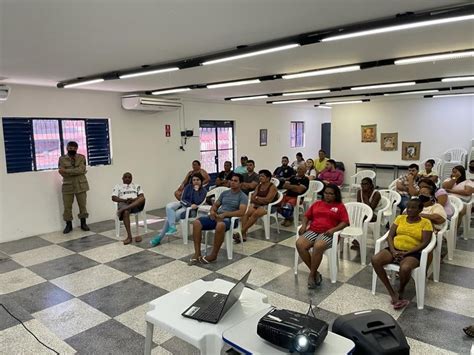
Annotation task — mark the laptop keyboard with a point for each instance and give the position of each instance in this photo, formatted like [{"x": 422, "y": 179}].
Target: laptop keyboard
[{"x": 211, "y": 312}]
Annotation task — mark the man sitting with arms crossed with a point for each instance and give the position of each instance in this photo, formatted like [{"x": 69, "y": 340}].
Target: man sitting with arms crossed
[
  {"x": 130, "y": 199},
  {"x": 297, "y": 185},
  {"x": 223, "y": 179},
  {"x": 250, "y": 178},
  {"x": 407, "y": 186},
  {"x": 231, "y": 203},
  {"x": 284, "y": 172}
]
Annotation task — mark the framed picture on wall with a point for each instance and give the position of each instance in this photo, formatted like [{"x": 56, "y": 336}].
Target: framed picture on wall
[
  {"x": 411, "y": 150},
  {"x": 368, "y": 133},
  {"x": 389, "y": 141},
  {"x": 263, "y": 137}
]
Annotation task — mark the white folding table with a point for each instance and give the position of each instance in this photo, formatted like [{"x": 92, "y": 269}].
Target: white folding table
[
  {"x": 244, "y": 338},
  {"x": 165, "y": 312}
]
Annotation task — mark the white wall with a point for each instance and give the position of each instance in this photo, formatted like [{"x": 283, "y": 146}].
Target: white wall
[
  {"x": 439, "y": 124},
  {"x": 31, "y": 202}
]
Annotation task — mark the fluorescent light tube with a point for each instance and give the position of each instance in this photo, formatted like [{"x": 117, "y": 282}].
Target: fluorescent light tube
[
  {"x": 344, "y": 102},
  {"x": 288, "y": 101},
  {"x": 435, "y": 57},
  {"x": 451, "y": 95},
  {"x": 233, "y": 83},
  {"x": 306, "y": 92},
  {"x": 380, "y": 86},
  {"x": 322, "y": 72},
  {"x": 458, "y": 78},
  {"x": 87, "y": 82},
  {"x": 411, "y": 92},
  {"x": 251, "y": 54},
  {"x": 249, "y": 98},
  {"x": 325, "y": 107},
  {"x": 170, "y": 91},
  {"x": 399, "y": 27},
  {"x": 149, "y": 72}
]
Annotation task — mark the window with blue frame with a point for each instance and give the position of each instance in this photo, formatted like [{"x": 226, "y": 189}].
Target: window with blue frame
[{"x": 34, "y": 144}]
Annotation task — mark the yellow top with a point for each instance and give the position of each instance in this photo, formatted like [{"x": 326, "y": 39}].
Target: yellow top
[
  {"x": 409, "y": 235},
  {"x": 320, "y": 165}
]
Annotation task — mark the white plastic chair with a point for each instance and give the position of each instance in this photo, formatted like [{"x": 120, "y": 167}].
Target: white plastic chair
[
  {"x": 357, "y": 178},
  {"x": 275, "y": 181},
  {"x": 467, "y": 217},
  {"x": 228, "y": 239},
  {"x": 268, "y": 217},
  {"x": 360, "y": 215},
  {"x": 455, "y": 155},
  {"x": 436, "y": 264},
  {"x": 314, "y": 188},
  {"x": 451, "y": 235},
  {"x": 330, "y": 253},
  {"x": 394, "y": 198},
  {"x": 418, "y": 274},
  {"x": 436, "y": 167},
  {"x": 385, "y": 206},
  {"x": 299, "y": 204},
  {"x": 205, "y": 209},
  {"x": 187, "y": 220},
  {"x": 140, "y": 215},
  {"x": 393, "y": 185}
]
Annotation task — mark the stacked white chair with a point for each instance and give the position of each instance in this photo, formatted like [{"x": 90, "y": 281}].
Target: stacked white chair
[
  {"x": 357, "y": 178},
  {"x": 455, "y": 155},
  {"x": 418, "y": 274},
  {"x": 360, "y": 215}
]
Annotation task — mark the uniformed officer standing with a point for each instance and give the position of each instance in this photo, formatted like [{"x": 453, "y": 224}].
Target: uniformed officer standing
[{"x": 72, "y": 167}]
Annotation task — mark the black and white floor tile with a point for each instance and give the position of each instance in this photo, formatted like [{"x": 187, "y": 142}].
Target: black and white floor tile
[{"x": 88, "y": 293}]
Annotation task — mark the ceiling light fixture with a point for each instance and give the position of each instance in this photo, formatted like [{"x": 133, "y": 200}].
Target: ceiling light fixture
[
  {"x": 288, "y": 101},
  {"x": 411, "y": 92},
  {"x": 149, "y": 72},
  {"x": 170, "y": 91},
  {"x": 435, "y": 57},
  {"x": 380, "y": 86},
  {"x": 306, "y": 93},
  {"x": 249, "y": 98},
  {"x": 457, "y": 78},
  {"x": 252, "y": 54},
  {"x": 399, "y": 27},
  {"x": 323, "y": 106},
  {"x": 346, "y": 102},
  {"x": 233, "y": 83},
  {"x": 322, "y": 72},
  {"x": 451, "y": 95},
  {"x": 80, "y": 83}
]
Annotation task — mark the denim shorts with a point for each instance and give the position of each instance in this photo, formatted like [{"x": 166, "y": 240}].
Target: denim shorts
[{"x": 210, "y": 224}]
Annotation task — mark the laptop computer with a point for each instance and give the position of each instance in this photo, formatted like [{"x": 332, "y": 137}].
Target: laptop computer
[{"x": 212, "y": 306}]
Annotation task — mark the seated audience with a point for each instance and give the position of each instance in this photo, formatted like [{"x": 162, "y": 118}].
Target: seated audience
[
  {"x": 320, "y": 222},
  {"x": 331, "y": 175},
  {"x": 284, "y": 172},
  {"x": 408, "y": 236},
  {"x": 457, "y": 185},
  {"x": 265, "y": 193},
  {"x": 187, "y": 179},
  {"x": 441, "y": 196},
  {"x": 368, "y": 195},
  {"x": 320, "y": 162},
  {"x": 130, "y": 198},
  {"x": 470, "y": 172},
  {"x": 407, "y": 185},
  {"x": 242, "y": 169},
  {"x": 193, "y": 195},
  {"x": 250, "y": 181},
  {"x": 432, "y": 210},
  {"x": 299, "y": 160},
  {"x": 231, "y": 203},
  {"x": 428, "y": 172},
  {"x": 297, "y": 185},
  {"x": 223, "y": 179},
  {"x": 310, "y": 170}
]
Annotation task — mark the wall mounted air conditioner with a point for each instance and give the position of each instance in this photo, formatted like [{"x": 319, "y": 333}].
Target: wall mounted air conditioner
[
  {"x": 4, "y": 92},
  {"x": 147, "y": 103}
]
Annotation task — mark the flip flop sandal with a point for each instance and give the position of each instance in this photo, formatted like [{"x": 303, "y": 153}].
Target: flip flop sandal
[
  {"x": 318, "y": 280},
  {"x": 400, "y": 304},
  {"x": 311, "y": 284},
  {"x": 469, "y": 331},
  {"x": 127, "y": 241},
  {"x": 193, "y": 261},
  {"x": 138, "y": 239},
  {"x": 203, "y": 260}
]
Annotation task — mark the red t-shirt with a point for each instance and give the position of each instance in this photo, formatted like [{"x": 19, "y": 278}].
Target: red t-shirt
[{"x": 325, "y": 215}]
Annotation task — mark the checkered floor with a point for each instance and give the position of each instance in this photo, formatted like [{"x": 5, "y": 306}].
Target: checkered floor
[{"x": 86, "y": 292}]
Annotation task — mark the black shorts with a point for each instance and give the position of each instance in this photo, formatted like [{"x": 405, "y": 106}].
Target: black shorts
[
  {"x": 416, "y": 255},
  {"x": 133, "y": 210}
]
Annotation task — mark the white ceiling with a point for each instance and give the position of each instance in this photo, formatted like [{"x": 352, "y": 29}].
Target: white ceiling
[{"x": 43, "y": 42}]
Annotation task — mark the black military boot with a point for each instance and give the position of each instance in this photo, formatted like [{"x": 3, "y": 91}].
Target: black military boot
[
  {"x": 84, "y": 225},
  {"x": 68, "y": 227}
]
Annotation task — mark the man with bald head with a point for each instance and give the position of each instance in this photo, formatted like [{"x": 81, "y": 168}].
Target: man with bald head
[{"x": 130, "y": 198}]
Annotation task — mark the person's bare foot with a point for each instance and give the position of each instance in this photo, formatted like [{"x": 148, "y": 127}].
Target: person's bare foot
[
  {"x": 395, "y": 298},
  {"x": 138, "y": 239},
  {"x": 127, "y": 241}
]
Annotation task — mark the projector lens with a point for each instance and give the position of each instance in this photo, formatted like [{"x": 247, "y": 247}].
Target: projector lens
[{"x": 301, "y": 343}]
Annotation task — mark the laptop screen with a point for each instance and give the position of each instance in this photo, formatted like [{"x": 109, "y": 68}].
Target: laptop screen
[{"x": 235, "y": 293}]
